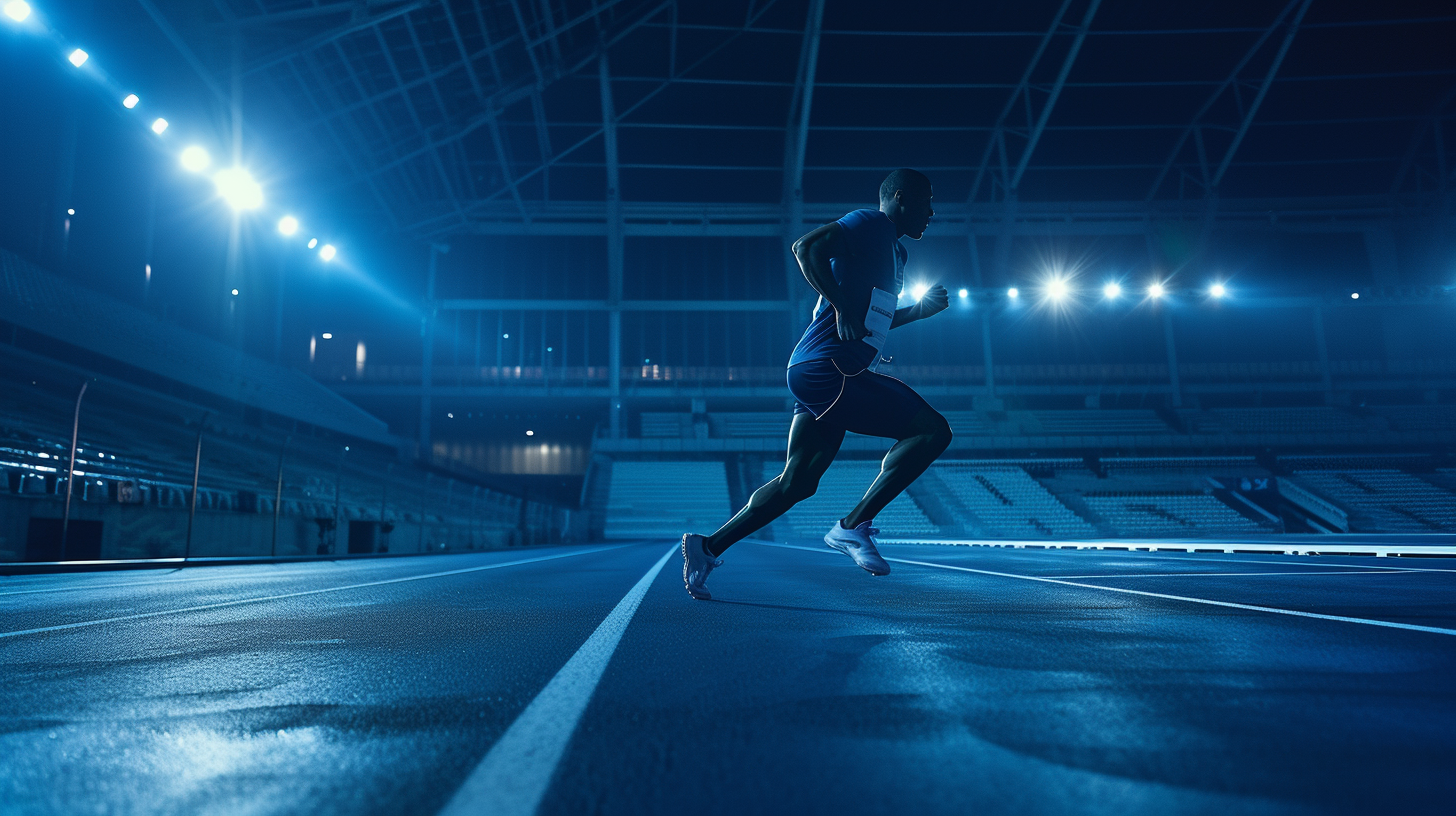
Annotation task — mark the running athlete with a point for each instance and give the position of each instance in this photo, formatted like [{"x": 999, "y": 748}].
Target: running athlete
[{"x": 857, "y": 265}]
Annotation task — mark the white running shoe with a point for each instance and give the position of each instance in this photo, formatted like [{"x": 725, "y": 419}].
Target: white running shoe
[
  {"x": 697, "y": 563},
  {"x": 858, "y": 544}
]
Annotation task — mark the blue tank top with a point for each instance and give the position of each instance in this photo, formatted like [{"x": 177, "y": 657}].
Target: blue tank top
[{"x": 872, "y": 257}]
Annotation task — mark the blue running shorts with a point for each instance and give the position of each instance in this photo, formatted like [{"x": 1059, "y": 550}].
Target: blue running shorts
[{"x": 866, "y": 403}]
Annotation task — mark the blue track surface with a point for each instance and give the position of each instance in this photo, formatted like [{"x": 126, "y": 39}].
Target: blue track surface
[{"x": 805, "y": 686}]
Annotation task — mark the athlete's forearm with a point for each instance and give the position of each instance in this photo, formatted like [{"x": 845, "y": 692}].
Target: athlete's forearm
[
  {"x": 813, "y": 259},
  {"x": 905, "y": 314}
]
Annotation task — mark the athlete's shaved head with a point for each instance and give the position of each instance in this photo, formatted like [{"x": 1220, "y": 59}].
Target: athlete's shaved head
[{"x": 906, "y": 180}]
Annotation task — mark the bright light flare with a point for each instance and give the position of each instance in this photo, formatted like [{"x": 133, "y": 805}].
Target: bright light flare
[
  {"x": 1013, "y": 293},
  {"x": 194, "y": 159},
  {"x": 159, "y": 126},
  {"x": 530, "y": 433},
  {"x": 17, "y": 10},
  {"x": 327, "y": 335},
  {"x": 1112, "y": 291},
  {"x": 78, "y": 57},
  {"x": 1354, "y": 296},
  {"x": 1217, "y": 290},
  {"x": 130, "y": 101},
  {"x": 288, "y": 225},
  {"x": 964, "y": 293},
  {"x": 918, "y": 290},
  {"x": 1155, "y": 291},
  {"x": 327, "y": 252},
  {"x": 1056, "y": 289},
  {"x": 312, "y": 242},
  {"x": 238, "y": 189}
]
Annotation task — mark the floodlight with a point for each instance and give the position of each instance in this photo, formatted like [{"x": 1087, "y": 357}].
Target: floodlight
[
  {"x": 130, "y": 101},
  {"x": 1155, "y": 291},
  {"x": 1354, "y": 296},
  {"x": 17, "y": 10},
  {"x": 1217, "y": 290},
  {"x": 1056, "y": 289},
  {"x": 327, "y": 252},
  {"x": 195, "y": 159},
  {"x": 964, "y": 293},
  {"x": 71, "y": 211},
  {"x": 450, "y": 415},
  {"x": 288, "y": 225},
  {"x": 235, "y": 293},
  {"x": 530, "y": 433},
  {"x": 159, "y": 126},
  {"x": 1112, "y": 290},
  {"x": 1013, "y": 293},
  {"x": 78, "y": 57},
  {"x": 238, "y": 188},
  {"x": 312, "y": 242},
  {"x": 918, "y": 290},
  {"x": 327, "y": 335}
]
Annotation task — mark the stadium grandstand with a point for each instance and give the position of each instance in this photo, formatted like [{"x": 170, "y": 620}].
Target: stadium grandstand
[{"x": 356, "y": 357}]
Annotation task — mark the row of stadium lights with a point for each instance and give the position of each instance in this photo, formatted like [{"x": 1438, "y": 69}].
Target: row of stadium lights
[
  {"x": 1058, "y": 290},
  {"x": 235, "y": 185}
]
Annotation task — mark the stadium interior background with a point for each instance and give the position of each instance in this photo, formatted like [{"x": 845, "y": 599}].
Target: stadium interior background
[{"x": 562, "y": 299}]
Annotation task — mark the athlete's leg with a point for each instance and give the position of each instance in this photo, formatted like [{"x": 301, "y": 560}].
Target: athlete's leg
[
  {"x": 924, "y": 439},
  {"x": 812, "y": 446}
]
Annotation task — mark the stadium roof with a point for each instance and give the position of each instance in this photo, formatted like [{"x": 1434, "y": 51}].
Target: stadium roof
[{"x": 450, "y": 117}]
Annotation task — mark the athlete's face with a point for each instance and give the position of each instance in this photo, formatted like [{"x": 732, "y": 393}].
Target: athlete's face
[{"x": 915, "y": 212}]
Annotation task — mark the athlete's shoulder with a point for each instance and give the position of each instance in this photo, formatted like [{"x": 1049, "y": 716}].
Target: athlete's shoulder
[{"x": 860, "y": 219}]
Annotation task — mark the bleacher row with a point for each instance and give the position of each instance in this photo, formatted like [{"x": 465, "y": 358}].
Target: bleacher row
[
  {"x": 1324, "y": 420},
  {"x": 955, "y": 499}
]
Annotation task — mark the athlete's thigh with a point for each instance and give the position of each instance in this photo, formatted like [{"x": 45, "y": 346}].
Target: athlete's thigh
[
  {"x": 812, "y": 447},
  {"x": 878, "y": 405}
]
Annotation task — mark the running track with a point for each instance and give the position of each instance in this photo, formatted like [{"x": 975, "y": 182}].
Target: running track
[{"x": 585, "y": 680}]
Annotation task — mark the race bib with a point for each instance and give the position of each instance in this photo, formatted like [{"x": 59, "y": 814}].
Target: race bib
[{"x": 879, "y": 317}]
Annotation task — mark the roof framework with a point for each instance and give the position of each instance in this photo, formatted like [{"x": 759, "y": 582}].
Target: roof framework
[{"x": 731, "y": 117}]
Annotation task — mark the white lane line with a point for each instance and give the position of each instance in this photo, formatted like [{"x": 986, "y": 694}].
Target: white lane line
[
  {"x": 215, "y": 577},
  {"x": 514, "y": 776},
  {"x": 261, "y": 599},
  {"x": 1311, "y": 563},
  {"x": 1227, "y": 574},
  {"x": 1228, "y": 604}
]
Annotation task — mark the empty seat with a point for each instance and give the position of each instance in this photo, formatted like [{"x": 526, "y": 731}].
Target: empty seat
[{"x": 666, "y": 499}]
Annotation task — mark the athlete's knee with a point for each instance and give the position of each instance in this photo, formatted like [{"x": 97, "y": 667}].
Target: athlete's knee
[
  {"x": 796, "y": 487},
  {"x": 930, "y": 424}
]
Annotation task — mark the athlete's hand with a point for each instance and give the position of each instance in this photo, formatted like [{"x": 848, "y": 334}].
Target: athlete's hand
[
  {"x": 849, "y": 326},
  {"x": 934, "y": 301}
]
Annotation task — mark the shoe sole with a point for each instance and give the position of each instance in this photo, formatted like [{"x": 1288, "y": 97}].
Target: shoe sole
[
  {"x": 842, "y": 548},
  {"x": 704, "y": 596}
]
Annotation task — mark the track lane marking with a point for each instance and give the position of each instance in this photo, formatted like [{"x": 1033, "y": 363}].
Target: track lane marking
[
  {"x": 1436, "y": 630},
  {"x": 514, "y": 776},
  {"x": 300, "y": 594},
  {"x": 374, "y": 563},
  {"x": 1228, "y": 574},
  {"x": 1169, "y": 555}
]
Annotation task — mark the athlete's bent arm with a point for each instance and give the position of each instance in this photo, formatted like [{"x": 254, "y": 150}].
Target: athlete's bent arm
[
  {"x": 813, "y": 252},
  {"x": 933, "y": 302}
]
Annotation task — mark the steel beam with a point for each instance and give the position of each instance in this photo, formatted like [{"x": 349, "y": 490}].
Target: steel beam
[
  {"x": 1232, "y": 78},
  {"x": 1023, "y": 87},
  {"x": 332, "y": 35},
  {"x": 519, "y": 94},
  {"x": 562, "y": 305},
  {"x": 616, "y": 241},
  {"x": 1412, "y": 152},
  {"x": 1056, "y": 92},
  {"x": 795, "y": 145},
  {"x": 485, "y": 101},
  {"x": 409, "y": 104},
  {"x": 1253, "y": 110}
]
